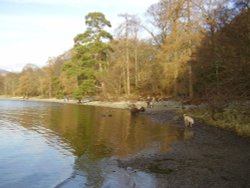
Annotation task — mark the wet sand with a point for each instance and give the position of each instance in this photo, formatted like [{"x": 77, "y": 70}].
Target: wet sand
[{"x": 208, "y": 157}]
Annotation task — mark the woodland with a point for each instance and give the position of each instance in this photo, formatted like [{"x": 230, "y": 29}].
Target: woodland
[{"x": 192, "y": 50}]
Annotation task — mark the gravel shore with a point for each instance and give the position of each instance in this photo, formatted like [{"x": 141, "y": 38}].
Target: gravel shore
[{"x": 210, "y": 157}]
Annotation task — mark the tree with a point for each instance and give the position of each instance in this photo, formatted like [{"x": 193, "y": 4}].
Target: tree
[
  {"x": 89, "y": 54},
  {"x": 178, "y": 35},
  {"x": 51, "y": 73},
  {"x": 1, "y": 84},
  {"x": 8, "y": 84},
  {"x": 125, "y": 27},
  {"x": 148, "y": 72},
  {"x": 127, "y": 32},
  {"x": 159, "y": 25},
  {"x": 221, "y": 62},
  {"x": 28, "y": 84},
  {"x": 95, "y": 38},
  {"x": 189, "y": 30}
]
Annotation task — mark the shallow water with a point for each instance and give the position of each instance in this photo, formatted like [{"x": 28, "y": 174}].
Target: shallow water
[{"x": 62, "y": 145}]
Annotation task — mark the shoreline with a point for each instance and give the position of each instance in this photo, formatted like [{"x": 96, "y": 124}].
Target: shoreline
[
  {"x": 159, "y": 106},
  {"x": 209, "y": 157},
  {"x": 93, "y": 103},
  {"x": 198, "y": 112}
]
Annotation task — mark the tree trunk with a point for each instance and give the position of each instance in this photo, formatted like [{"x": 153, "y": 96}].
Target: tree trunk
[
  {"x": 136, "y": 66},
  {"x": 190, "y": 73},
  {"x": 50, "y": 89},
  {"x": 124, "y": 79},
  {"x": 127, "y": 59},
  {"x": 175, "y": 78},
  {"x": 174, "y": 40},
  {"x": 190, "y": 83}
]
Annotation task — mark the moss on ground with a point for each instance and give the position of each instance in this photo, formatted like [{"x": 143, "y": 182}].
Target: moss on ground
[{"x": 232, "y": 117}]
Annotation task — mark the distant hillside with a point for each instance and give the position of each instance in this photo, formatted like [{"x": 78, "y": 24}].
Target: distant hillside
[{"x": 3, "y": 72}]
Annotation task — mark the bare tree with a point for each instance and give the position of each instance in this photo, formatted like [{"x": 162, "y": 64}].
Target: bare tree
[{"x": 127, "y": 30}]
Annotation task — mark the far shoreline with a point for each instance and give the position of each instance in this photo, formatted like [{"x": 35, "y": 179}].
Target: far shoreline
[
  {"x": 116, "y": 104},
  {"x": 198, "y": 112},
  {"x": 158, "y": 107}
]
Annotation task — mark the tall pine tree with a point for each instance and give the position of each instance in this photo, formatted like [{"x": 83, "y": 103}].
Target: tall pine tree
[{"x": 90, "y": 54}]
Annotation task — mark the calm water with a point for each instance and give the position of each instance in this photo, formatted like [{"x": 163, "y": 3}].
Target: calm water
[{"x": 61, "y": 145}]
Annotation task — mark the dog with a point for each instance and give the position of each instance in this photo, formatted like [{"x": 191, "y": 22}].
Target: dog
[
  {"x": 188, "y": 120},
  {"x": 135, "y": 110}
]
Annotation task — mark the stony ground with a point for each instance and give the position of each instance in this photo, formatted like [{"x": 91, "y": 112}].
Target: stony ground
[{"x": 208, "y": 157}]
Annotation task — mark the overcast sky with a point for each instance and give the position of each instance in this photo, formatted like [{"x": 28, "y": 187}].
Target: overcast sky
[{"x": 31, "y": 31}]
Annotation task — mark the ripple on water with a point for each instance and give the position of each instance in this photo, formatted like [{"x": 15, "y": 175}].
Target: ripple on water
[
  {"x": 48, "y": 145},
  {"x": 29, "y": 159}
]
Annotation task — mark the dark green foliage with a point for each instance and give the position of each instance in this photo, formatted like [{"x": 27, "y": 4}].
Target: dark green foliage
[
  {"x": 96, "y": 20},
  {"x": 90, "y": 54}
]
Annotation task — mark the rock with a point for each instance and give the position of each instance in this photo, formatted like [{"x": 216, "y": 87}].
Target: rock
[{"x": 135, "y": 110}]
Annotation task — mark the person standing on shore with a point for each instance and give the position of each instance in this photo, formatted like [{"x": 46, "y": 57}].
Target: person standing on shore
[
  {"x": 148, "y": 101},
  {"x": 152, "y": 103}
]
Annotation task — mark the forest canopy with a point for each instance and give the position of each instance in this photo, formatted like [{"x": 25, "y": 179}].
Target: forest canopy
[{"x": 197, "y": 49}]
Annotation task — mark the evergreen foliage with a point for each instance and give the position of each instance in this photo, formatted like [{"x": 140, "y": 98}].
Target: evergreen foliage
[{"x": 197, "y": 50}]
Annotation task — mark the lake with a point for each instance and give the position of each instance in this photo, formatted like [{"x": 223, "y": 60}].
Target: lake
[{"x": 46, "y": 144}]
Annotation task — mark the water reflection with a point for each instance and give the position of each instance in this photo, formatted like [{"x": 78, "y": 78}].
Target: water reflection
[
  {"x": 26, "y": 160},
  {"x": 96, "y": 130},
  {"x": 88, "y": 133},
  {"x": 188, "y": 133}
]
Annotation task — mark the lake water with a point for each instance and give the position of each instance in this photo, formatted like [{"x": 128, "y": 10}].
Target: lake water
[{"x": 45, "y": 145}]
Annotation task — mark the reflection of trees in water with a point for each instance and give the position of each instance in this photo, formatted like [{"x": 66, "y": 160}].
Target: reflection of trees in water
[
  {"x": 127, "y": 134},
  {"x": 105, "y": 132},
  {"x": 97, "y": 130}
]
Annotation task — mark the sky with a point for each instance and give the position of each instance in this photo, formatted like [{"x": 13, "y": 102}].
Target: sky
[{"x": 32, "y": 31}]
